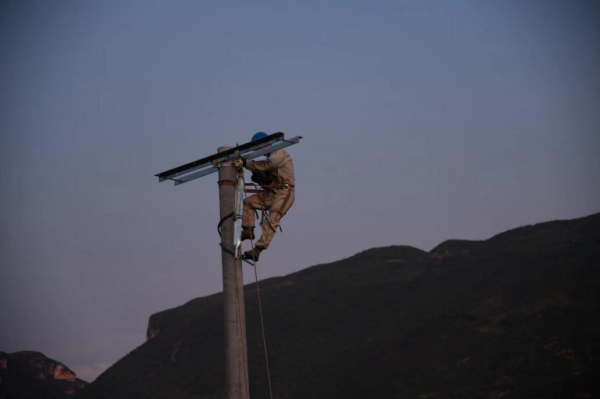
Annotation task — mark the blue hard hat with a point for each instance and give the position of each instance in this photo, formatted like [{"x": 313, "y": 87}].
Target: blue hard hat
[{"x": 259, "y": 135}]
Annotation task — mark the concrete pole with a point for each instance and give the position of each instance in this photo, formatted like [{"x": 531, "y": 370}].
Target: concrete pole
[{"x": 236, "y": 355}]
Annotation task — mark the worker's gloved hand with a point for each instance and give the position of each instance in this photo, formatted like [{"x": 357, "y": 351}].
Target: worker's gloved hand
[{"x": 239, "y": 163}]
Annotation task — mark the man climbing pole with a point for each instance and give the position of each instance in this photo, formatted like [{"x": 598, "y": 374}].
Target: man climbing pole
[{"x": 276, "y": 176}]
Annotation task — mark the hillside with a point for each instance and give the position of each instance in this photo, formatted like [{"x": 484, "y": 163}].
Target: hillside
[
  {"x": 514, "y": 316},
  {"x": 32, "y": 375}
]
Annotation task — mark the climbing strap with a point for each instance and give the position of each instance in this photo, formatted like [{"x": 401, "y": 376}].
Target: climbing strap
[
  {"x": 226, "y": 183},
  {"x": 254, "y": 190}
]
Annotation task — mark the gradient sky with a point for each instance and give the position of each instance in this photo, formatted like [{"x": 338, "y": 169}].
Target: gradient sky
[{"x": 423, "y": 121}]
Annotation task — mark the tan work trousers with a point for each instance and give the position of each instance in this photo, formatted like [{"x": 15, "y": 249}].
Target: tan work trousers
[{"x": 277, "y": 202}]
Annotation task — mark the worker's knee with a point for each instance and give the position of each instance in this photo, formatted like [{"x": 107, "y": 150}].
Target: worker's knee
[
  {"x": 251, "y": 203},
  {"x": 274, "y": 218},
  {"x": 254, "y": 202}
]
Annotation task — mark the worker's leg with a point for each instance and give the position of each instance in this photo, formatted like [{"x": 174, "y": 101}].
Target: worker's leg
[
  {"x": 251, "y": 204},
  {"x": 282, "y": 201}
]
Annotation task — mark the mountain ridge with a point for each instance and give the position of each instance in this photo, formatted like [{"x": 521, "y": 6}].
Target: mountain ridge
[
  {"x": 504, "y": 317},
  {"x": 31, "y": 374}
]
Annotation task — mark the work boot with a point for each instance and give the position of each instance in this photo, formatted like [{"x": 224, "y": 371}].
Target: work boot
[
  {"x": 253, "y": 254},
  {"x": 247, "y": 234}
]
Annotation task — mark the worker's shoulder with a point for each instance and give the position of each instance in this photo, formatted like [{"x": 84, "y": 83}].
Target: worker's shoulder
[{"x": 281, "y": 153}]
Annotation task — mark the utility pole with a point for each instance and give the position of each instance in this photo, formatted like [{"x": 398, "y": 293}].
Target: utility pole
[{"x": 236, "y": 353}]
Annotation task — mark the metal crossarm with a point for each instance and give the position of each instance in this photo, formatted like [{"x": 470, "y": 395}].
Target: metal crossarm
[
  {"x": 220, "y": 157},
  {"x": 205, "y": 166}
]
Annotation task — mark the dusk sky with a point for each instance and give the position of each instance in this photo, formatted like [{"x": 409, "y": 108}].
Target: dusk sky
[{"x": 422, "y": 121}]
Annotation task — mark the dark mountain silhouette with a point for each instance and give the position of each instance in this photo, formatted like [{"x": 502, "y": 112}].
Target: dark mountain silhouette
[
  {"x": 514, "y": 316},
  {"x": 32, "y": 375}
]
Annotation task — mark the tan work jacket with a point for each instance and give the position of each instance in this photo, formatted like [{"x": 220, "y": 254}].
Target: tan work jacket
[{"x": 279, "y": 163}]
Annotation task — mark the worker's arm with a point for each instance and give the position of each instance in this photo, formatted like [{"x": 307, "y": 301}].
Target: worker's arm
[{"x": 273, "y": 162}]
